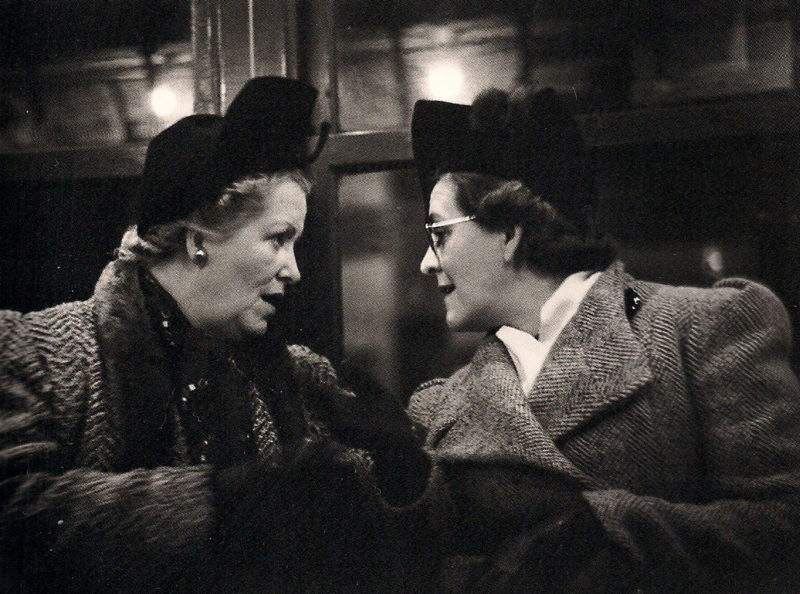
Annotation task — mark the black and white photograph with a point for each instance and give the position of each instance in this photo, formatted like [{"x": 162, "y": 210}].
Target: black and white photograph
[{"x": 399, "y": 296}]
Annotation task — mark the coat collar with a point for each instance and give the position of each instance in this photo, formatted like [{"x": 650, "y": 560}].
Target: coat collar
[
  {"x": 135, "y": 365},
  {"x": 484, "y": 418},
  {"x": 139, "y": 405},
  {"x": 596, "y": 363}
]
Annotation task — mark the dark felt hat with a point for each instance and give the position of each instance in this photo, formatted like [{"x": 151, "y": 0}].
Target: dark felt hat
[
  {"x": 528, "y": 136},
  {"x": 265, "y": 129}
]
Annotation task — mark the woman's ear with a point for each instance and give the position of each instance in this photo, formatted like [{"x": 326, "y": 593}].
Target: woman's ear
[
  {"x": 513, "y": 237},
  {"x": 195, "y": 249},
  {"x": 193, "y": 241}
]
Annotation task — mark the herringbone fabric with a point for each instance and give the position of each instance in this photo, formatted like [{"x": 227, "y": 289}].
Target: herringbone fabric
[{"x": 681, "y": 423}]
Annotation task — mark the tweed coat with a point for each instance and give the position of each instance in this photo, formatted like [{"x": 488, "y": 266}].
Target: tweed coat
[
  {"x": 89, "y": 504},
  {"x": 678, "y": 415}
]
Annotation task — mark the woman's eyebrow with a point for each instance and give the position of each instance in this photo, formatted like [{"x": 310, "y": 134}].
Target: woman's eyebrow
[
  {"x": 290, "y": 230},
  {"x": 284, "y": 229}
]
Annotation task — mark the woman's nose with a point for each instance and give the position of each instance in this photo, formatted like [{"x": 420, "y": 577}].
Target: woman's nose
[
  {"x": 290, "y": 271},
  {"x": 429, "y": 263}
]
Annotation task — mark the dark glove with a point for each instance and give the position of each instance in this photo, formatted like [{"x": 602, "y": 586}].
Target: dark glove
[
  {"x": 360, "y": 414},
  {"x": 554, "y": 556},
  {"x": 375, "y": 421},
  {"x": 402, "y": 475},
  {"x": 242, "y": 491},
  {"x": 257, "y": 509},
  {"x": 492, "y": 501},
  {"x": 305, "y": 520},
  {"x": 563, "y": 549}
]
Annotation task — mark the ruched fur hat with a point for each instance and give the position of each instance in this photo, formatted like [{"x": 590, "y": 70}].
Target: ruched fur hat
[
  {"x": 528, "y": 136},
  {"x": 264, "y": 130}
]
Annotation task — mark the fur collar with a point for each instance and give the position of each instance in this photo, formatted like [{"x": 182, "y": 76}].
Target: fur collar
[
  {"x": 136, "y": 368},
  {"x": 141, "y": 412}
]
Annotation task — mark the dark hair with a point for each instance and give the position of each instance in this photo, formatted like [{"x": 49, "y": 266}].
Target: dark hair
[{"x": 550, "y": 244}]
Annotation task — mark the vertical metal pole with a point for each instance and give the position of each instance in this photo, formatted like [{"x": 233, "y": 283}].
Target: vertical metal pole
[
  {"x": 333, "y": 65},
  {"x": 794, "y": 13},
  {"x": 209, "y": 91},
  {"x": 251, "y": 38},
  {"x": 291, "y": 40}
]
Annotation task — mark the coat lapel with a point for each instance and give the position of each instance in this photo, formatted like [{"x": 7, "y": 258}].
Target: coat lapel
[
  {"x": 479, "y": 395},
  {"x": 483, "y": 418},
  {"x": 596, "y": 363}
]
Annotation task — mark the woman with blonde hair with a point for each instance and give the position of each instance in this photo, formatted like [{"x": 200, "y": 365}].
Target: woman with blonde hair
[{"x": 161, "y": 436}]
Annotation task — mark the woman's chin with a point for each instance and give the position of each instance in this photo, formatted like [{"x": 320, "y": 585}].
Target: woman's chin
[
  {"x": 245, "y": 329},
  {"x": 454, "y": 322},
  {"x": 458, "y": 322},
  {"x": 256, "y": 329}
]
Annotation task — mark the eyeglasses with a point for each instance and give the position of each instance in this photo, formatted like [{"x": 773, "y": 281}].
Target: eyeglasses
[{"x": 436, "y": 236}]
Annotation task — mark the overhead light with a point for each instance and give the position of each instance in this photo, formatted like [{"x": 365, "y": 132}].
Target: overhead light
[
  {"x": 163, "y": 101},
  {"x": 444, "y": 81}
]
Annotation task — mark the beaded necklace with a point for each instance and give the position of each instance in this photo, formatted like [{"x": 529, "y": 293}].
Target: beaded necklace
[{"x": 212, "y": 393}]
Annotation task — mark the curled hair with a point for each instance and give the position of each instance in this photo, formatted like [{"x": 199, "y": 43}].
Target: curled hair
[
  {"x": 238, "y": 204},
  {"x": 549, "y": 244}
]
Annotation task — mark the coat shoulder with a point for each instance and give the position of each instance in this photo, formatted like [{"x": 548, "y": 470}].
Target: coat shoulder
[
  {"x": 59, "y": 339},
  {"x": 727, "y": 298},
  {"x": 735, "y": 312},
  {"x": 752, "y": 299}
]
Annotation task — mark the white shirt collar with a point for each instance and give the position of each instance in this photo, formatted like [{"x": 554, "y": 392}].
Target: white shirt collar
[{"x": 527, "y": 352}]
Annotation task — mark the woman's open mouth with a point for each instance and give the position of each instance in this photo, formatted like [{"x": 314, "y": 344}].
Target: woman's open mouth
[
  {"x": 274, "y": 299},
  {"x": 446, "y": 289}
]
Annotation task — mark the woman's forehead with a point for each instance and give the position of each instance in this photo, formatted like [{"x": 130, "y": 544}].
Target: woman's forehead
[{"x": 443, "y": 201}]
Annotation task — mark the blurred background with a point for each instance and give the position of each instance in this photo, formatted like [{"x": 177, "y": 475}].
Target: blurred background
[{"x": 690, "y": 110}]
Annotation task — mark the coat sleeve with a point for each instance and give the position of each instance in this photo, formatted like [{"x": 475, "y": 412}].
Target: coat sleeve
[
  {"x": 443, "y": 521},
  {"x": 356, "y": 543},
  {"x": 80, "y": 528},
  {"x": 743, "y": 532}
]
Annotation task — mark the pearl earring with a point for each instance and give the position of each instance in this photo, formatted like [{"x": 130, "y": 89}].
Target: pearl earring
[{"x": 200, "y": 257}]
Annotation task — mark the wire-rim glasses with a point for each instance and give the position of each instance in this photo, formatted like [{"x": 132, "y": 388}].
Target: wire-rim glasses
[{"x": 434, "y": 239}]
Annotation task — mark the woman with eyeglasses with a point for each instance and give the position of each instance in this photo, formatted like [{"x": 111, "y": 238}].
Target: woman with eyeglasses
[{"x": 609, "y": 434}]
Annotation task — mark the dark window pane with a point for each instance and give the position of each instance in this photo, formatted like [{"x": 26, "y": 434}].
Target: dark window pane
[
  {"x": 393, "y": 316},
  {"x": 606, "y": 54}
]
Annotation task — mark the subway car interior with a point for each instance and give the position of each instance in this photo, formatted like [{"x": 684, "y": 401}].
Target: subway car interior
[{"x": 690, "y": 110}]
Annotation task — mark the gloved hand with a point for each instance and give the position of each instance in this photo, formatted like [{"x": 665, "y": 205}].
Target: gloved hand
[
  {"x": 306, "y": 519},
  {"x": 375, "y": 421},
  {"x": 241, "y": 488},
  {"x": 402, "y": 475},
  {"x": 491, "y": 501},
  {"x": 557, "y": 552}
]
